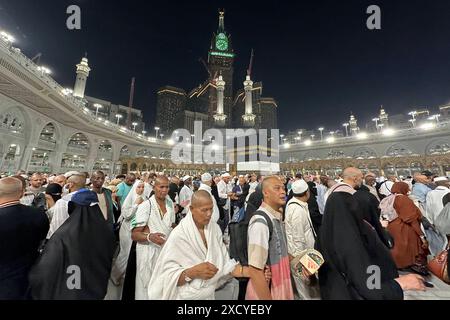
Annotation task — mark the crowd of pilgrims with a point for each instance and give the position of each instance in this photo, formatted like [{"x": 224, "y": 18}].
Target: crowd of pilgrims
[{"x": 152, "y": 236}]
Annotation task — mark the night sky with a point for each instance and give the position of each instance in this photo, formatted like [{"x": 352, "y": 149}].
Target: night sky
[{"x": 316, "y": 58}]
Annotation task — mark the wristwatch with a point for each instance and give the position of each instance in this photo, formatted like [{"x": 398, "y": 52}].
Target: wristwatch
[{"x": 186, "y": 278}]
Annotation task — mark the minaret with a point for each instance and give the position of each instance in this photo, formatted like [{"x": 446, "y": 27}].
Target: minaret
[
  {"x": 220, "y": 117},
  {"x": 248, "y": 117},
  {"x": 353, "y": 124},
  {"x": 384, "y": 119},
  {"x": 82, "y": 75}
]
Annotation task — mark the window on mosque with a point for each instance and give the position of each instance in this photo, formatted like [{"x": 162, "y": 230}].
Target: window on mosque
[
  {"x": 439, "y": 148},
  {"x": 398, "y": 151}
]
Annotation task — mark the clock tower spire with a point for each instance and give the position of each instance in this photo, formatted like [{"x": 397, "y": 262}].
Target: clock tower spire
[
  {"x": 221, "y": 21},
  {"x": 220, "y": 62}
]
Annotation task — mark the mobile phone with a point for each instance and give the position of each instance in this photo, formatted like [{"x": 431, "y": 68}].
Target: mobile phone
[{"x": 428, "y": 284}]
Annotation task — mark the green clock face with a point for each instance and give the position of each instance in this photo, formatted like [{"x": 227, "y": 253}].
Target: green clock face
[{"x": 221, "y": 42}]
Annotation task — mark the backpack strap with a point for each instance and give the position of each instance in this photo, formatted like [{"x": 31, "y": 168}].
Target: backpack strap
[
  {"x": 268, "y": 221},
  {"x": 309, "y": 221}
]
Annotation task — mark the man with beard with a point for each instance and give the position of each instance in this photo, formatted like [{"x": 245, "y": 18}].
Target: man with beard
[
  {"x": 353, "y": 250},
  {"x": 104, "y": 196}
]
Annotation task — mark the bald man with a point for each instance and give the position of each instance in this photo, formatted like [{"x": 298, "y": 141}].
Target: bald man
[
  {"x": 22, "y": 228},
  {"x": 196, "y": 254},
  {"x": 151, "y": 226},
  {"x": 60, "y": 179},
  {"x": 351, "y": 247},
  {"x": 75, "y": 183}
]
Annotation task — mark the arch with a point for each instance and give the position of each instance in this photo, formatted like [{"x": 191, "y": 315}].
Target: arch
[
  {"x": 336, "y": 154},
  {"x": 398, "y": 150},
  {"x": 144, "y": 167},
  {"x": 364, "y": 153},
  {"x": 124, "y": 151},
  {"x": 165, "y": 155},
  {"x": 73, "y": 161},
  {"x": 49, "y": 132},
  {"x": 40, "y": 157},
  {"x": 144, "y": 153},
  {"x": 311, "y": 155},
  {"x": 133, "y": 166},
  {"x": 124, "y": 168},
  {"x": 79, "y": 140},
  {"x": 13, "y": 120},
  {"x": 102, "y": 165},
  {"x": 105, "y": 146},
  {"x": 438, "y": 147}
]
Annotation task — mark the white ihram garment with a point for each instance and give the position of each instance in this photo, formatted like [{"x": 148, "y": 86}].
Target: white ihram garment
[{"x": 149, "y": 214}]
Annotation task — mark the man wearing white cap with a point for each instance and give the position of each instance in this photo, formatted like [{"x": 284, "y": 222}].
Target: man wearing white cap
[
  {"x": 300, "y": 235},
  {"x": 224, "y": 189},
  {"x": 185, "y": 195},
  {"x": 434, "y": 203},
  {"x": 206, "y": 186}
]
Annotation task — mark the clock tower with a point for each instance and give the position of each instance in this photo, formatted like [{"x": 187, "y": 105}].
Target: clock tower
[{"x": 220, "y": 62}]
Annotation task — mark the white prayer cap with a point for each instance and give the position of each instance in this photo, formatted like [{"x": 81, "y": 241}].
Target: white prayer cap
[
  {"x": 206, "y": 177},
  {"x": 186, "y": 178},
  {"x": 438, "y": 179},
  {"x": 299, "y": 186},
  {"x": 71, "y": 173},
  {"x": 226, "y": 175}
]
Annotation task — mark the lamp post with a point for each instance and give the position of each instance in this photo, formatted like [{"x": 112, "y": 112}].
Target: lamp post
[
  {"x": 300, "y": 132},
  {"x": 156, "y": 129},
  {"x": 144, "y": 132},
  {"x": 376, "y": 122},
  {"x": 312, "y": 137},
  {"x": 435, "y": 117},
  {"x": 413, "y": 115},
  {"x": 346, "y": 128},
  {"x": 118, "y": 116},
  {"x": 321, "y": 133},
  {"x": 161, "y": 135},
  {"x": 97, "y": 106},
  {"x": 134, "y": 124},
  {"x": 281, "y": 137}
]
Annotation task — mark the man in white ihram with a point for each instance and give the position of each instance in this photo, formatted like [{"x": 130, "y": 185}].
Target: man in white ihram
[
  {"x": 206, "y": 186},
  {"x": 194, "y": 261}
]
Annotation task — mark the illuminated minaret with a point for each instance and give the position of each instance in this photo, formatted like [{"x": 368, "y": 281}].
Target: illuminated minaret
[
  {"x": 82, "y": 75},
  {"x": 220, "y": 117},
  {"x": 353, "y": 124},
  {"x": 248, "y": 117},
  {"x": 384, "y": 119}
]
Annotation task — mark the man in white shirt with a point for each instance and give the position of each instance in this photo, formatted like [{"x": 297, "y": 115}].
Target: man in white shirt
[
  {"x": 75, "y": 183},
  {"x": 206, "y": 181},
  {"x": 224, "y": 189},
  {"x": 300, "y": 235},
  {"x": 185, "y": 195},
  {"x": 434, "y": 203}
]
